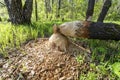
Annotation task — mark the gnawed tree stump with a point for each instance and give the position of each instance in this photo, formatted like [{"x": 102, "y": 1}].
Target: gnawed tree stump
[{"x": 91, "y": 30}]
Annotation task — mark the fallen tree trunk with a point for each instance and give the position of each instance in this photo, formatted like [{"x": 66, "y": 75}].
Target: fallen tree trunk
[
  {"x": 105, "y": 31},
  {"x": 91, "y": 30}
]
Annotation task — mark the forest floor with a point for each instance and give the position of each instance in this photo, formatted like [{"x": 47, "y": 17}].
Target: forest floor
[{"x": 35, "y": 61}]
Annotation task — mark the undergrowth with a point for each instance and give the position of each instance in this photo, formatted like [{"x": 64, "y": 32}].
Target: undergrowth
[
  {"x": 105, "y": 60},
  {"x": 13, "y": 36}
]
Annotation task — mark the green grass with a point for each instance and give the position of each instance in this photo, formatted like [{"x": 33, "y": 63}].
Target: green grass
[
  {"x": 104, "y": 71},
  {"x": 117, "y": 22},
  {"x": 105, "y": 59},
  {"x": 13, "y": 36}
]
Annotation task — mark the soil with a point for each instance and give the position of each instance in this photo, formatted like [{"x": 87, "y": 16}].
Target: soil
[{"x": 36, "y": 61}]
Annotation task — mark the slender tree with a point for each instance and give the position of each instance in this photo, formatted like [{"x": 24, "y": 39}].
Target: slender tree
[
  {"x": 47, "y": 7},
  {"x": 0, "y": 19},
  {"x": 36, "y": 12},
  {"x": 72, "y": 9},
  {"x": 104, "y": 10},
  {"x": 58, "y": 8},
  {"x": 90, "y": 10}
]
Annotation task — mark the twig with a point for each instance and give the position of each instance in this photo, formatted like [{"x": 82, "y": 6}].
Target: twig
[{"x": 82, "y": 48}]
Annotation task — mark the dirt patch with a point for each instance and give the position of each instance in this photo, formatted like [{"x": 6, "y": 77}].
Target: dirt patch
[{"x": 35, "y": 61}]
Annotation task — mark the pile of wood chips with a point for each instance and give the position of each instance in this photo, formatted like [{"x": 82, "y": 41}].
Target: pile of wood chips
[{"x": 36, "y": 61}]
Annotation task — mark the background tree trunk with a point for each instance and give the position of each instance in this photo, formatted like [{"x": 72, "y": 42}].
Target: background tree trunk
[
  {"x": 90, "y": 10},
  {"x": 47, "y": 7},
  {"x": 17, "y": 14},
  {"x": 58, "y": 8},
  {"x": 36, "y": 12},
  {"x": 0, "y": 19},
  {"x": 14, "y": 8},
  {"x": 104, "y": 10},
  {"x": 72, "y": 9},
  {"x": 27, "y": 11}
]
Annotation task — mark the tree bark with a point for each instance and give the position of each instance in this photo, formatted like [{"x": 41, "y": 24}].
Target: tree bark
[
  {"x": 104, "y": 10},
  {"x": 99, "y": 30},
  {"x": 90, "y": 10},
  {"x": 27, "y": 11},
  {"x": 14, "y": 8},
  {"x": 17, "y": 13}
]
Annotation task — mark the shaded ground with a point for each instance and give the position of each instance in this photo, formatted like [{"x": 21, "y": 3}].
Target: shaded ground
[{"x": 35, "y": 61}]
